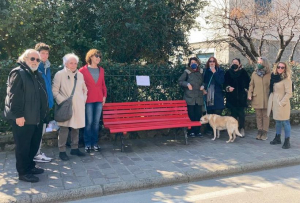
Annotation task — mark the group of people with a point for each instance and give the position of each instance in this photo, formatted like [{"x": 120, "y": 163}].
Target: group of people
[
  {"x": 268, "y": 89},
  {"x": 31, "y": 94}
]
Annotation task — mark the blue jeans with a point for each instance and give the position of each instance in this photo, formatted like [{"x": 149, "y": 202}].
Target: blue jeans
[
  {"x": 287, "y": 128},
  {"x": 92, "y": 119}
]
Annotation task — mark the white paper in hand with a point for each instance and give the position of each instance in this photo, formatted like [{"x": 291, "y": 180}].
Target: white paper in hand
[{"x": 142, "y": 80}]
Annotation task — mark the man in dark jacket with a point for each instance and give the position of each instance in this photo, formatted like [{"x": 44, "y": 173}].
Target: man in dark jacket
[{"x": 26, "y": 106}]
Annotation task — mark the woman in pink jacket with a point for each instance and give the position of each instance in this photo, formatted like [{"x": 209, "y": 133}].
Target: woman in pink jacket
[{"x": 96, "y": 96}]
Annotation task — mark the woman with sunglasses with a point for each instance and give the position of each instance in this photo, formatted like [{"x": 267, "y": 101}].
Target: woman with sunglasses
[
  {"x": 279, "y": 102},
  {"x": 258, "y": 94},
  {"x": 26, "y": 107},
  {"x": 94, "y": 79},
  {"x": 236, "y": 85},
  {"x": 213, "y": 85}
]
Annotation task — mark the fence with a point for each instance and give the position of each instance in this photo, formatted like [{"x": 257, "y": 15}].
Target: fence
[{"x": 121, "y": 83}]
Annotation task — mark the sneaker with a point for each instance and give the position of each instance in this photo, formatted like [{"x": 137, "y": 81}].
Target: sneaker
[
  {"x": 199, "y": 135},
  {"x": 242, "y": 131},
  {"x": 87, "y": 149},
  {"x": 97, "y": 148},
  {"x": 192, "y": 135},
  {"x": 42, "y": 158}
]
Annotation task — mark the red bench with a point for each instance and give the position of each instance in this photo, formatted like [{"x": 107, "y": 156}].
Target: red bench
[{"x": 121, "y": 118}]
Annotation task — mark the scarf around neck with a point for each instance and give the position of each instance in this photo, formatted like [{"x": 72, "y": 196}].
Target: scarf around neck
[
  {"x": 260, "y": 72},
  {"x": 274, "y": 79}
]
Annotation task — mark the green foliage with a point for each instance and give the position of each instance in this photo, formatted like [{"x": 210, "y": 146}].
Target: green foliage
[{"x": 125, "y": 30}]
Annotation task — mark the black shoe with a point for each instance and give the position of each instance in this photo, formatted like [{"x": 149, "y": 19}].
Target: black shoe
[
  {"x": 37, "y": 170},
  {"x": 286, "y": 144},
  {"x": 63, "y": 156},
  {"x": 29, "y": 178},
  {"x": 77, "y": 152},
  {"x": 277, "y": 140}
]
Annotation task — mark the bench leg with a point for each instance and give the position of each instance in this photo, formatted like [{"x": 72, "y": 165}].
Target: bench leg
[
  {"x": 122, "y": 140},
  {"x": 186, "y": 135}
]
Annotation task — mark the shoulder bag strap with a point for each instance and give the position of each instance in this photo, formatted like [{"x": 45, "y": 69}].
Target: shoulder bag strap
[{"x": 75, "y": 81}]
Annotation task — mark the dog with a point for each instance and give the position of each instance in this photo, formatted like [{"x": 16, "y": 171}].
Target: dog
[{"x": 221, "y": 123}]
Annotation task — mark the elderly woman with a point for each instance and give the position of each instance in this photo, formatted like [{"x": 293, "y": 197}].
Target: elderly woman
[
  {"x": 62, "y": 86},
  {"x": 279, "y": 102},
  {"x": 258, "y": 93},
  {"x": 97, "y": 93},
  {"x": 26, "y": 106}
]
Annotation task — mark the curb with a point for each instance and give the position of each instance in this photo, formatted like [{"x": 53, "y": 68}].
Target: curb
[{"x": 115, "y": 188}]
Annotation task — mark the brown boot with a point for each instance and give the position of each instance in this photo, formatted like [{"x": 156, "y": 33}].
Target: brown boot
[
  {"x": 259, "y": 133},
  {"x": 264, "y": 135}
]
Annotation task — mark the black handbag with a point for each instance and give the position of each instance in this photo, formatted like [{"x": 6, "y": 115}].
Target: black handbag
[{"x": 63, "y": 111}]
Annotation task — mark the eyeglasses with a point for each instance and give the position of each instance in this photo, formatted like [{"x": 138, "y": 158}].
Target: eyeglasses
[
  {"x": 97, "y": 56},
  {"x": 281, "y": 67},
  {"x": 33, "y": 59},
  {"x": 211, "y": 61}
]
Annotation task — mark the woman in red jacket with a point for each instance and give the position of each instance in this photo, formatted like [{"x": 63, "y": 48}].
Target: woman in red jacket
[{"x": 96, "y": 96}]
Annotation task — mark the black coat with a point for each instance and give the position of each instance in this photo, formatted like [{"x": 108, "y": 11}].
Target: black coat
[
  {"x": 26, "y": 96},
  {"x": 239, "y": 80}
]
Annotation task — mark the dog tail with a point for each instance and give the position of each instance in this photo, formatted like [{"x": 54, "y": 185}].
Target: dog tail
[{"x": 237, "y": 132}]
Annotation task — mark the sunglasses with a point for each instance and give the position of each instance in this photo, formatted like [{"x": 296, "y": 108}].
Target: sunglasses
[
  {"x": 97, "y": 56},
  {"x": 281, "y": 67},
  {"x": 211, "y": 61},
  {"x": 37, "y": 59}
]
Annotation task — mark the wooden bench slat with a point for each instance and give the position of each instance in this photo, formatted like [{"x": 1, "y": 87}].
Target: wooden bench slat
[
  {"x": 141, "y": 115},
  {"x": 115, "y": 129},
  {"x": 144, "y": 103},
  {"x": 107, "y": 108},
  {"x": 131, "y": 111},
  {"x": 116, "y": 122}
]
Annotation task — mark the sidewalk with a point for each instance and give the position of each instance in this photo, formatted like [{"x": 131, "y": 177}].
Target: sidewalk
[{"x": 146, "y": 163}]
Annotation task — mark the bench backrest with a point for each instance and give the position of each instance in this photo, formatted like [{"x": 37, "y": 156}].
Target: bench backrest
[{"x": 149, "y": 111}]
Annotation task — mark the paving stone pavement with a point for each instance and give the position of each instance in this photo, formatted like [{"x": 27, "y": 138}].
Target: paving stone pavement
[{"x": 145, "y": 163}]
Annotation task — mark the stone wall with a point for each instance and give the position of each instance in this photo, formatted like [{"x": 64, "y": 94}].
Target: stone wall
[{"x": 50, "y": 139}]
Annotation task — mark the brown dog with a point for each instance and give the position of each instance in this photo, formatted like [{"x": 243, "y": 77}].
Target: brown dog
[{"x": 221, "y": 123}]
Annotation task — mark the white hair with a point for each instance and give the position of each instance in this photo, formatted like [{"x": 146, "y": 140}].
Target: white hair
[
  {"x": 67, "y": 57},
  {"x": 26, "y": 54}
]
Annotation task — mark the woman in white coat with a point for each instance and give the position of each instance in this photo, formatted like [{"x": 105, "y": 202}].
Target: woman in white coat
[
  {"x": 279, "y": 102},
  {"x": 62, "y": 87}
]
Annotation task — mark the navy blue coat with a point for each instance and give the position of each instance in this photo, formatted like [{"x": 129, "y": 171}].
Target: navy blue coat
[{"x": 217, "y": 80}]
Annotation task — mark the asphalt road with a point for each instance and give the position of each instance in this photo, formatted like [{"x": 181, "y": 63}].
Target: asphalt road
[{"x": 280, "y": 185}]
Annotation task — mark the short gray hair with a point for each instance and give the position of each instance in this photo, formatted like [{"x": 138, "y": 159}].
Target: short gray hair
[
  {"x": 68, "y": 56},
  {"x": 26, "y": 54}
]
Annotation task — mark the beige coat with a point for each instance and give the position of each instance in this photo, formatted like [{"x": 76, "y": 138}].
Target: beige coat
[
  {"x": 279, "y": 100},
  {"x": 259, "y": 89},
  {"x": 62, "y": 86}
]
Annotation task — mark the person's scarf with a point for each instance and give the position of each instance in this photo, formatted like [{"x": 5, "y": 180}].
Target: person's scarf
[
  {"x": 274, "y": 79},
  {"x": 261, "y": 72}
]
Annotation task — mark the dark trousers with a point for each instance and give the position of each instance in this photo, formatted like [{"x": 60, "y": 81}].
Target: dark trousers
[
  {"x": 27, "y": 141},
  {"x": 214, "y": 111},
  {"x": 239, "y": 114},
  {"x": 195, "y": 113}
]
